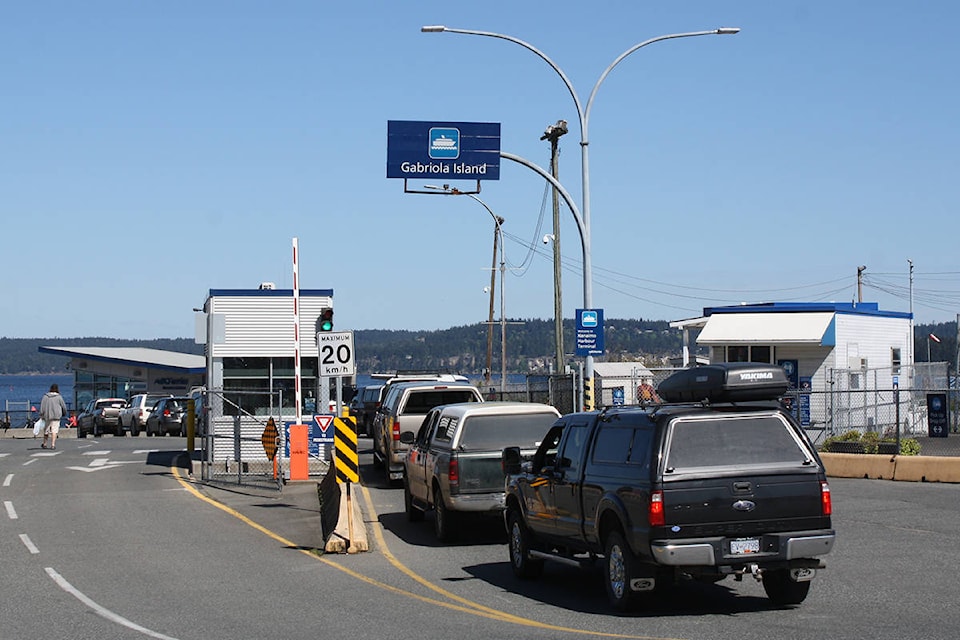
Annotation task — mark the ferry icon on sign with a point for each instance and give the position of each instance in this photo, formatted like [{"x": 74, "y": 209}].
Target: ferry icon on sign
[
  {"x": 589, "y": 319},
  {"x": 444, "y": 143}
]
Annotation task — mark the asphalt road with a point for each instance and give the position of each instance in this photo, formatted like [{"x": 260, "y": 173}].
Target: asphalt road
[{"x": 107, "y": 539}]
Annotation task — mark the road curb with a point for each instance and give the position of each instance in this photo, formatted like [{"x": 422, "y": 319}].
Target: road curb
[{"x": 885, "y": 467}]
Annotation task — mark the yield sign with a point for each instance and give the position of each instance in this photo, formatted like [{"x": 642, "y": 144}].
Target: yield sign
[{"x": 324, "y": 423}]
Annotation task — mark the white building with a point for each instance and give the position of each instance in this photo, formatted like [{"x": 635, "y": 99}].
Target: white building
[{"x": 826, "y": 348}]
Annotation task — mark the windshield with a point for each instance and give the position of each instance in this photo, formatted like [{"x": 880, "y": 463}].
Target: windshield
[{"x": 492, "y": 432}]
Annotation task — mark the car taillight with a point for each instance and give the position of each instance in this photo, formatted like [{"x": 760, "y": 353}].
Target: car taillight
[
  {"x": 454, "y": 472},
  {"x": 395, "y": 429},
  {"x": 655, "y": 514},
  {"x": 826, "y": 503},
  {"x": 166, "y": 412}
]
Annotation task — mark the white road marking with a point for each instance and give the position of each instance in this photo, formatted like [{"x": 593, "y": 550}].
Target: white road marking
[
  {"x": 30, "y": 461},
  {"x": 146, "y": 450},
  {"x": 45, "y": 454},
  {"x": 8, "y": 480},
  {"x": 102, "y": 611},
  {"x": 97, "y": 453},
  {"x": 11, "y": 512},
  {"x": 89, "y": 469},
  {"x": 32, "y": 548},
  {"x": 4, "y": 455}
]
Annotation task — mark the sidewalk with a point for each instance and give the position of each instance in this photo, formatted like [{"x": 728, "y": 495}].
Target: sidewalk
[{"x": 19, "y": 433}]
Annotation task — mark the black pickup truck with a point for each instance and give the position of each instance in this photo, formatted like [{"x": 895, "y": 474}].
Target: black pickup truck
[{"x": 715, "y": 480}]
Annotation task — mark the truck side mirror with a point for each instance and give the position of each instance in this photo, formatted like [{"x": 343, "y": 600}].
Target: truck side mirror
[
  {"x": 407, "y": 437},
  {"x": 511, "y": 461}
]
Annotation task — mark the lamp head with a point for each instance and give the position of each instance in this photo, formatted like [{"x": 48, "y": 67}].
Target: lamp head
[
  {"x": 724, "y": 31},
  {"x": 435, "y": 28}
]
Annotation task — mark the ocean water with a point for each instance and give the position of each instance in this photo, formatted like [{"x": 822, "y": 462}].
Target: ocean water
[{"x": 18, "y": 393}]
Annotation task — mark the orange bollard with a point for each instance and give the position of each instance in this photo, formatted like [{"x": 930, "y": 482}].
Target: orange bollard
[{"x": 299, "y": 452}]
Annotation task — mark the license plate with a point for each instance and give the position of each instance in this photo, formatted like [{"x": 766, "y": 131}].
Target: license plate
[{"x": 744, "y": 546}]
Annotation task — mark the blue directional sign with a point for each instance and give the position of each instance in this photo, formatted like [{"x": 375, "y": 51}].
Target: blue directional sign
[
  {"x": 938, "y": 417},
  {"x": 443, "y": 150},
  {"x": 589, "y": 332}
]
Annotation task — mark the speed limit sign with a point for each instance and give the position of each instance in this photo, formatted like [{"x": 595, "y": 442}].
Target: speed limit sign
[{"x": 336, "y": 353}]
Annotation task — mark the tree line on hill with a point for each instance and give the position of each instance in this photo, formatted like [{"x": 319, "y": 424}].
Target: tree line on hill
[{"x": 529, "y": 346}]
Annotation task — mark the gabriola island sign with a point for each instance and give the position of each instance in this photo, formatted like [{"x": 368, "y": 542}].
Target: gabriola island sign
[{"x": 452, "y": 150}]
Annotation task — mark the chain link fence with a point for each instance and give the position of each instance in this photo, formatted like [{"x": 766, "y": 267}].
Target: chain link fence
[
  {"x": 233, "y": 446},
  {"x": 848, "y": 400}
]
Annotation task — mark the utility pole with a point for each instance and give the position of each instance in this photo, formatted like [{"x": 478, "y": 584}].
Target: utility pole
[
  {"x": 913, "y": 345},
  {"x": 860, "y": 271},
  {"x": 553, "y": 133},
  {"x": 493, "y": 288}
]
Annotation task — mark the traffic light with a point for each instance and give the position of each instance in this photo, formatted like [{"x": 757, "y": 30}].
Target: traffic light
[{"x": 326, "y": 319}]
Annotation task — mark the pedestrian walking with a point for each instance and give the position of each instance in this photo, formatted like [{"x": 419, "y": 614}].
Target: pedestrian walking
[{"x": 52, "y": 408}]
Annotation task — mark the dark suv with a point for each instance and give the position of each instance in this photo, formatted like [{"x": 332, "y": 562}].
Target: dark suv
[
  {"x": 718, "y": 480},
  {"x": 364, "y": 405}
]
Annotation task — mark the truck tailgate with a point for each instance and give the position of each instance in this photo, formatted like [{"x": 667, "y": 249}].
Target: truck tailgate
[{"x": 743, "y": 505}]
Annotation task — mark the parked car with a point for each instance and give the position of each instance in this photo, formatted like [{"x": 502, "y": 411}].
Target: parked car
[
  {"x": 133, "y": 417},
  {"x": 364, "y": 406},
  {"x": 99, "y": 416},
  {"x": 404, "y": 406},
  {"x": 454, "y": 462},
  {"x": 168, "y": 417},
  {"x": 719, "y": 480}
]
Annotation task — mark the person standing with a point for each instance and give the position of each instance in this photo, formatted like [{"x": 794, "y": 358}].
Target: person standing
[{"x": 52, "y": 408}]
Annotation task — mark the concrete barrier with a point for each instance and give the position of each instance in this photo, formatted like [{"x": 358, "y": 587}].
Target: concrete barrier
[
  {"x": 885, "y": 467},
  {"x": 927, "y": 469},
  {"x": 860, "y": 465}
]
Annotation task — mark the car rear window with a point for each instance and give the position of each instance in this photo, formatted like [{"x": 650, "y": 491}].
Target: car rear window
[
  {"x": 422, "y": 401},
  {"x": 742, "y": 441},
  {"x": 489, "y": 433}
]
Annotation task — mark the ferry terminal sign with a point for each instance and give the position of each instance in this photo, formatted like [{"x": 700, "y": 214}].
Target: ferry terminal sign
[{"x": 449, "y": 150}]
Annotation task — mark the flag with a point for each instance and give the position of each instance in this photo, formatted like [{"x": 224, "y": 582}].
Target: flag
[{"x": 934, "y": 338}]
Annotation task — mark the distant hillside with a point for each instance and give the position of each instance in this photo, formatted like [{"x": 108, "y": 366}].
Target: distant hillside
[{"x": 463, "y": 349}]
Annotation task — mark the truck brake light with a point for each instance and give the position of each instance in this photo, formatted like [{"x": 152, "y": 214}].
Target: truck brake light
[
  {"x": 826, "y": 502},
  {"x": 395, "y": 429},
  {"x": 453, "y": 472},
  {"x": 656, "y": 515}
]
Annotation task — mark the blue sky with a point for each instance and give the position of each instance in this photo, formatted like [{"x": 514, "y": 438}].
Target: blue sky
[{"x": 152, "y": 151}]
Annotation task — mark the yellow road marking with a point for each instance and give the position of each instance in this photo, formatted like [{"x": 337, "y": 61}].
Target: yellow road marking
[{"x": 465, "y": 606}]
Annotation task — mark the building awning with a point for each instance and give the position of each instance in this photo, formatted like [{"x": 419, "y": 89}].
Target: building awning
[{"x": 769, "y": 328}]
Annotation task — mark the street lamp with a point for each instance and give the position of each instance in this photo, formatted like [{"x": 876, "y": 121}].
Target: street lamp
[
  {"x": 584, "y": 117},
  {"x": 497, "y": 238}
]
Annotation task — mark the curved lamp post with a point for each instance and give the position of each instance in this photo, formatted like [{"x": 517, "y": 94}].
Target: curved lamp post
[{"x": 584, "y": 118}]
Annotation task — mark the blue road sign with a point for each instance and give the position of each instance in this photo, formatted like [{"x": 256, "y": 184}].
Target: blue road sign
[
  {"x": 938, "y": 417},
  {"x": 447, "y": 150},
  {"x": 589, "y": 332}
]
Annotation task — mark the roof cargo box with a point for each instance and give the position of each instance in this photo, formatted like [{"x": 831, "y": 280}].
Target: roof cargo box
[{"x": 727, "y": 382}]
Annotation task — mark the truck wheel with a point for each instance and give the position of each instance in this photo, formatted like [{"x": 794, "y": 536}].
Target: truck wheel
[
  {"x": 134, "y": 428},
  {"x": 443, "y": 518},
  {"x": 619, "y": 571},
  {"x": 413, "y": 514},
  {"x": 523, "y": 565},
  {"x": 782, "y": 590}
]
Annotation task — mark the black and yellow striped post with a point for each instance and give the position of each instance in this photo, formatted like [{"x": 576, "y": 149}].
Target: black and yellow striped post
[
  {"x": 347, "y": 463},
  {"x": 345, "y": 456}
]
